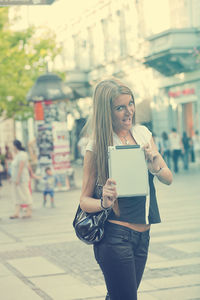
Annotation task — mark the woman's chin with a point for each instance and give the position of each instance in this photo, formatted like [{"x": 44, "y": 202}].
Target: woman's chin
[{"x": 127, "y": 125}]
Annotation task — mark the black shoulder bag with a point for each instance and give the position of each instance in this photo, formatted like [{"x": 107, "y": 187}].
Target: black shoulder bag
[{"x": 89, "y": 227}]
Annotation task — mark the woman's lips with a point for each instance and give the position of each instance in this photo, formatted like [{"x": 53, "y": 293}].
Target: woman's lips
[{"x": 127, "y": 120}]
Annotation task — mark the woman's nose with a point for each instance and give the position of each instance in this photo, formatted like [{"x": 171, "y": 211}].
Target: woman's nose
[{"x": 128, "y": 111}]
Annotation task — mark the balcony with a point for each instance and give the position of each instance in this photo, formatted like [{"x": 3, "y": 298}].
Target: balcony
[
  {"x": 173, "y": 51},
  {"x": 77, "y": 80}
]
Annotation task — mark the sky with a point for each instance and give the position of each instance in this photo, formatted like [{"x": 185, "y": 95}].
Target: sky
[
  {"x": 62, "y": 11},
  {"x": 52, "y": 16}
]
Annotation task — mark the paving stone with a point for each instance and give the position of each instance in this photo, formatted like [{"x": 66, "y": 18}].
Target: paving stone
[
  {"x": 154, "y": 258},
  {"x": 171, "y": 282},
  {"x": 175, "y": 263},
  {"x": 189, "y": 247},
  {"x": 13, "y": 288},
  {"x": 35, "y": 266},
  {"x": 49, "y": 235},
  {"x": 178, "y": 237},
  {"x": 142, "y": 296},
  {"x": 4, "y": 239},
  {"x": 65, "y": 287},
  {"x": 4, "y": 272},
  {"x": 186, "y": 293}
]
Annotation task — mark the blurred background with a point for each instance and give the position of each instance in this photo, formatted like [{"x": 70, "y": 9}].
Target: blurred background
[
  {"x": 52, "y": 54},
  {"x": 152, "y": 45}
]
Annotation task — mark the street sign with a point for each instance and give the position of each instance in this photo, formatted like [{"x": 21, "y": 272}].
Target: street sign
[{"x": 25, "y": 2}]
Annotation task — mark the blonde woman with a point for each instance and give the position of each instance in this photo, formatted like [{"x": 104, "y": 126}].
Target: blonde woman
[{"x": 122, "y": 253}]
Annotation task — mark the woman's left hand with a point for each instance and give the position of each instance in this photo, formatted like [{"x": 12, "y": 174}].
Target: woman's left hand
[{"x": 152, "y": 158}]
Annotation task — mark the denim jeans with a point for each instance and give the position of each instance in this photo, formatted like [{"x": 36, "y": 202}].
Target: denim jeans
[
  {"x": 175, "y": 155},
  {"x": 122, "y": 255}
]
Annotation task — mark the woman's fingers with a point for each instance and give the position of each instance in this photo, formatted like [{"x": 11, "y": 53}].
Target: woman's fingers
[
  {"x": 109, "y": 192},
  {"x": 110, "y": 182},
  {"x": 149, "y": 154},
  {"x": 110, "y": 195},
  {"x": 110, "y": 186}
]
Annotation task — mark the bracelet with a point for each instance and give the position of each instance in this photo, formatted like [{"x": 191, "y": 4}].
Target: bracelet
[
  {"x": 104, "y": 208},
  {"x": 157, "y": 173}
]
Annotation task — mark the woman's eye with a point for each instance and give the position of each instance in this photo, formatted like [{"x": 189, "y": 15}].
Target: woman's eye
[
  {"x": 131, "y": 103},
  {"x": 119, "y": 108}
]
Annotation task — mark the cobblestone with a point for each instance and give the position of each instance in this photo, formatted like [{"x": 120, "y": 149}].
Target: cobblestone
[{"x": 49, "y": 234}]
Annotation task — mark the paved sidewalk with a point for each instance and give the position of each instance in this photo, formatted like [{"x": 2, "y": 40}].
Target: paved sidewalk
[{"x": 41, "y": 258}]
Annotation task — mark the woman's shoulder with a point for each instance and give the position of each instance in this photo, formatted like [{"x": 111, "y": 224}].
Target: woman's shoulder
[
  {"x": 141, "y": 133},
  {"x": 90, "y": 145},
  {"x": 141, "y": 129}
]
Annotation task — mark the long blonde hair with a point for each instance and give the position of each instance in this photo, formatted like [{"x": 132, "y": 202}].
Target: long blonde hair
[{"x": 102, "y": 125}]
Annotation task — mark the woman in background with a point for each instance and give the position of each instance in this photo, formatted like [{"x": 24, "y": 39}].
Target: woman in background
[{"x": 20, "y": 178}]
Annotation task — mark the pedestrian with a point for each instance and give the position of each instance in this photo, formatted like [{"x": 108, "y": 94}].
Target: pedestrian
[
  {"x": 122, "y": 253},
  {"x": 2, "y": 165},
  {"x": 166, "y": 148},
  {"x": 8, "y": 161},
  {"x": 186, "y": 147},
  {"x": 20, "y": 181},
  {"x": 196, "y": 146},
  {"x": 176, "y": 148},
  {"x": 49, "y": 186},
  {"x": 1, "y": 172}
]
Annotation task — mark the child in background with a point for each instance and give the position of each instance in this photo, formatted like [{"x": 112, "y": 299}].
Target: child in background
[{"x": 49, "y": 184}]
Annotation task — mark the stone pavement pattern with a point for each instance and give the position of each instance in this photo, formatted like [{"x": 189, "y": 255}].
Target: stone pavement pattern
[{"x": 41, "y": 258}]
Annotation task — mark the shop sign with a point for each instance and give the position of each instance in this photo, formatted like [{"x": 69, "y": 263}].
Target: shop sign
[
  {"x": 25, "y": 2},
  {"x": 181, "y": 93}
]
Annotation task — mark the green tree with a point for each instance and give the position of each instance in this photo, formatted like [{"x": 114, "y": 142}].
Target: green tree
[{"x": 23, "y": 57}]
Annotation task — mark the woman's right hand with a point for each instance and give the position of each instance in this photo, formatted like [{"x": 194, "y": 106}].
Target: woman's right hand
[{"x": 109, "y": 193}]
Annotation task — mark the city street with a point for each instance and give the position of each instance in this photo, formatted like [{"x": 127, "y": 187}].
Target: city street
[{"x": 41, "y": 258}]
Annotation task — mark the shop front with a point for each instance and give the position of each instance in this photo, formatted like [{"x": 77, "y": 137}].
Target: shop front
[{"x": 184, "y": 107}]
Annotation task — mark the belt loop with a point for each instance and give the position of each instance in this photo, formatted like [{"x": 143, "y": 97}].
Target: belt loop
[{"x": 126, "y": 236}]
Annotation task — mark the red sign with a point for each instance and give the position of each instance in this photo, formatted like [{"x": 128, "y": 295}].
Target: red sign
[
  {"x": 39, "y": 111},
  {"x": 61, "y": 160},
  {"x": 185, "y": 92}
]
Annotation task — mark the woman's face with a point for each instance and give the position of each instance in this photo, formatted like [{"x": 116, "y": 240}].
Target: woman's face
[{"x": 123, "y": 112}]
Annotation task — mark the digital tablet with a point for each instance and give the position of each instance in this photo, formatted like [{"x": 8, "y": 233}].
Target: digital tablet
[{"x": 127, "y": 166}]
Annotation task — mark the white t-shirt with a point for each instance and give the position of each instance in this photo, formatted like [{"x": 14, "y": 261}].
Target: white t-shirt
[
  {"x": 140, "y": 133},
  {"x": 82, "y": 144},
  {"x": 175, "y": 141},
  {"x": 21, "y": 156},
  {"x": 196, "y": 142}
]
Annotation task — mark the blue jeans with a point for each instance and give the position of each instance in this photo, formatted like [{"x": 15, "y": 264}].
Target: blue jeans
[
  {"x": 51, "y": 193},
  {"x": 122, "y": 255}
]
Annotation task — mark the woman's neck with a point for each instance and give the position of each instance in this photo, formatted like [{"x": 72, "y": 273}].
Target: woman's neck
[{"x": 123, "y": 133}]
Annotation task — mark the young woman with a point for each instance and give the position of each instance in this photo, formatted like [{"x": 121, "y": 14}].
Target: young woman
[
  {"x": 20, "y": 180},
  {"x": 122, "y": 253}
]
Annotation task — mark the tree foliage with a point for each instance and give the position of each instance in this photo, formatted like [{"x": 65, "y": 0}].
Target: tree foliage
[{"x": 23, "y": 57}]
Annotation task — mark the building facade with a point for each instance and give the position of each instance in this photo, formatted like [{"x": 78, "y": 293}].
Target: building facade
[
  {"x": 173, "y": 53},
  {"x": 108, "y": 41},
  {"x": 152, "y": 45}
]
